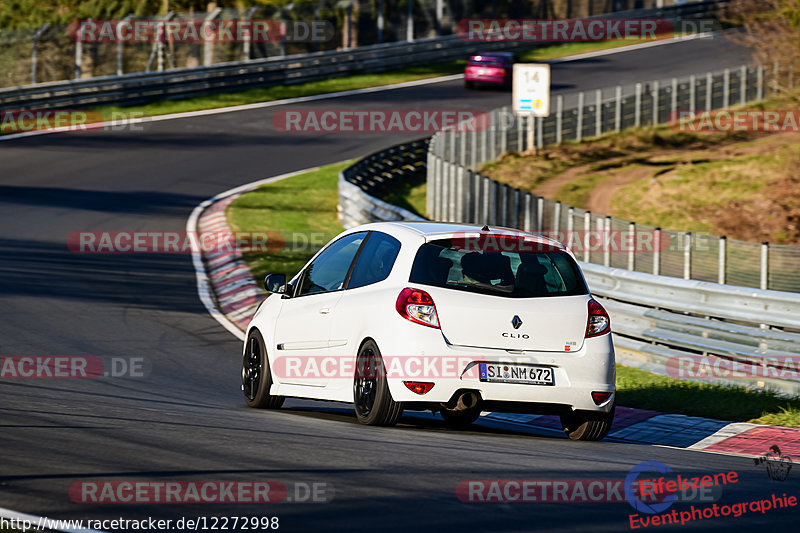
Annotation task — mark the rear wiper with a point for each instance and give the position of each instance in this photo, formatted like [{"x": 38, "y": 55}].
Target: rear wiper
[{"x": 502, "y": 289}]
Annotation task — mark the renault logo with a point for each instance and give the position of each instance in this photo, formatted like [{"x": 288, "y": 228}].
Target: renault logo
[{"x": 516, "y": 322}]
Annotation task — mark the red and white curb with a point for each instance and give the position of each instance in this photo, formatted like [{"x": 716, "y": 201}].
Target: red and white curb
[{"x": 224, "y": 282}]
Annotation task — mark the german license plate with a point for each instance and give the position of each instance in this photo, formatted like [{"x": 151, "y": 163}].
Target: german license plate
[{"x": 517, "y": 373}]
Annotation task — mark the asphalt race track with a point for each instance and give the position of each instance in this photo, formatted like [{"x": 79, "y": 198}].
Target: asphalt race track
[{"x": 185, "y": 418}]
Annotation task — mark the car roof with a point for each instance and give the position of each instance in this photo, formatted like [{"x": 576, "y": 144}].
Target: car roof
[{"x": 430, "y": 230}]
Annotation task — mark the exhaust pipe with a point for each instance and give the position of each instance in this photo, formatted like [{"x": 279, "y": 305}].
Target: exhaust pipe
[{"x": 467, "y": 401}]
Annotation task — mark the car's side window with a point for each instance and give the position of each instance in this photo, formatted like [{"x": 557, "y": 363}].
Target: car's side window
[
  {"x": 375, "y": 261},
  {"x": 329, "y": 269}
]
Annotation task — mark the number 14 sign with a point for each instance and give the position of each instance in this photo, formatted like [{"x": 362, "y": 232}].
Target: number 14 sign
[{"x": 531, "y": 89}]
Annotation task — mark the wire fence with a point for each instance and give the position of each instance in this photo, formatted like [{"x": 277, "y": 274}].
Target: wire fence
[
  {"x": 457, "y": 193},
  {"x": 52, "y": 53}
]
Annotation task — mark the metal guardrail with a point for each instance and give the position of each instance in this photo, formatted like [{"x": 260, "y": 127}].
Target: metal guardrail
[
  {"x": 361, "y": 184},
  {"x": 181, "y": 83},
  {"x": 458, "y": 193},
  {"x": 684, "y": 328},
  {"x": 137, "y": 88},
  {"x": 702, "y": 331}
]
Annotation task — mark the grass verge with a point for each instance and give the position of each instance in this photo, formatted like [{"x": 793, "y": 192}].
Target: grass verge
[
  {"x": 305, "y": 205},
  {"x": 302, "y": 212},
  {"x": 645, "y": 390}
]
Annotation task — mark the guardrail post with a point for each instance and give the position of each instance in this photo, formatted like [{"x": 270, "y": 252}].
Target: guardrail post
[
  {"x": 743, "y": 85},
  {"x": 760, "y": 85},
  {"x": 452, "y": 193},
  {"x": 34, "y": 50},
  {"x": 473, "y": 150},
  {"x": 458, "y": 206},
  {"x": 764, "y": 265},
  {"x": 598, "y": 118},
  {"x": 579, "y": 128},
  {"x": 493, "y": 201},
  {"x": 606, "y": 240},
  {"x": 687, "y": 255},
  {"x": 723, "y": 256},
  {"x": 587, "y": 229},
  {"x": 410, "y": 21},
  {"x": 775, "y": 77},
  {"x": 656, "y": 98},
  {"x": 556, "y": 216},
  {"x": 208, "y": 46},
  {"x": 462, "y": 137},
  {"x": 530, "y": 122},
  {"x": 539, "y": 132},
  {"x": 570, "y": 225},
  {"x": 501, "y": 117},
  {"x": 631, "y": 246},
  {"x": 430, "y": 167},
  {"x": 484, "y": 136},
  {"x": 120, "y": 62},
  {"x": 539, "y": 213},
  {"x": 673, "y": 100},
  {"x": 528, "y": 215},
  {"x": 618, "y": 108},
  {"x": 693, "y": 93},
  {"x": 637, "y": 120},
  {"x": 657, "y": 251},
  {"x": 709, "y": 90},
  {"x": 726, "y": 89},
  {"x": 559, "y": 117},
  {"x": 248, "y": 34},
  {"x": 79, "y": 52}
]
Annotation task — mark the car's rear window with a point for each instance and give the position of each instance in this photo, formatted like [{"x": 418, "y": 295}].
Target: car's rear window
[
  {"x": 517, "y": 273},
  {"x": 486, "y": 62}
]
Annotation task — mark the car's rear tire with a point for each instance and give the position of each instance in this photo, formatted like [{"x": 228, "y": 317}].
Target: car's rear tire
[
  {"x": 587, "y": 425},
  {"x": 256, "y": 374},
  {"x": 460, "y": 419},
  {"x": 469, "y": 85},
  {"x": 373, "y": 401}
]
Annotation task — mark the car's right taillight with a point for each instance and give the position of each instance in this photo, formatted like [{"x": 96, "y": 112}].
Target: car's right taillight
[
  {"x": 598, "y": 322},
  {"x": 417, "y": 306}
]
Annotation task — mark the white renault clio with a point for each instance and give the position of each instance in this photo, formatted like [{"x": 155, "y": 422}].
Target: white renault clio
[{"x": 453, "y": 318}]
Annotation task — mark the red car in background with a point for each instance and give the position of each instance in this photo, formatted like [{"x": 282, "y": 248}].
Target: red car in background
[{"x": 491, "y": 68}]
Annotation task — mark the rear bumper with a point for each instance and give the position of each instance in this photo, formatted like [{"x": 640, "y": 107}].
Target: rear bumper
[
  {"x": 577, "y": 374},
  {"x": 476, "y": 78}
]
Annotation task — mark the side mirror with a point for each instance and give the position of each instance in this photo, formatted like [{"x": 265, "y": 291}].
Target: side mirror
[{"x": 275, "y": 283}]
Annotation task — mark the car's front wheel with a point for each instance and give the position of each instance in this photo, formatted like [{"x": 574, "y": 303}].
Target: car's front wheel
[
  {"x": 587, "y": 425},
  {"x": 373, "y": 402},
  {"x": 256, "y": 375}
]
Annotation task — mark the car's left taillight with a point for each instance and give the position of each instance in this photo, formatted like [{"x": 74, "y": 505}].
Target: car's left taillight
[
  {"x": 417, "y": 306},
  {"x": 598, "y": 322}
]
